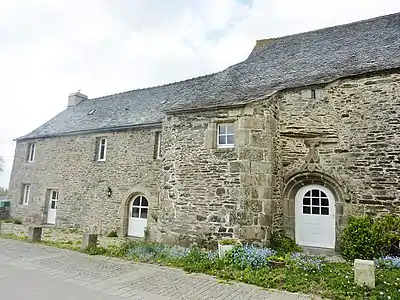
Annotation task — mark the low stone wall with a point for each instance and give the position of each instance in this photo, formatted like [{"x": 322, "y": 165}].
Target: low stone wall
[{"x": 4, "y": 213}]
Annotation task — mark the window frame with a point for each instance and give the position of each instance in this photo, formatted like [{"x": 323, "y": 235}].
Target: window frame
[
  {"x": 55, "y": 199},
  {"x": 31, "y": 152},
  {"x": 157, "y": 152},
  {"x": 99, "y": 158},
  {"x": 313, "y": 94},
  {"x": 226, "y": 134},
  {"x": 26, "y": 194}
]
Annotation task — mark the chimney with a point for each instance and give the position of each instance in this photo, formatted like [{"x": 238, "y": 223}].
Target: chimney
[{"x": 75, "y": 98}]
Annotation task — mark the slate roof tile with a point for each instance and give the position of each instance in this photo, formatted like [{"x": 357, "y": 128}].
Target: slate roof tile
[{"x": 308, "y": 58}]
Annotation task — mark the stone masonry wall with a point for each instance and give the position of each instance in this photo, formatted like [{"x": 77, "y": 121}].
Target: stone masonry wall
[
  {"x": 350, "y": 134},
  {"x": 209, "y": 193},
  {"x": 68, "y": 164}
]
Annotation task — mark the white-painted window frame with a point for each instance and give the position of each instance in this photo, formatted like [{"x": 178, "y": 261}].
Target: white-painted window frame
[
  {"x": 99, "y": 158},
  {"x": 32, "y": 152},
  {"x": 56, "y": 199},
  {"x": 27, "y": 194},
  {"x": 226, "y": 134}
]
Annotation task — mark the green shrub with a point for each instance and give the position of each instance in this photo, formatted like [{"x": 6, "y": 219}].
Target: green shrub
[
  {"x": 283, "y": 244},
  {"x": 366, "y": 238},
  {"x": 17, "y": 221},
  {"x": 358, "y": 239},
  {"x": 229, "y": 242},
  {"x": 387, "y": 233},
  {"x": 112, "y": 233}
]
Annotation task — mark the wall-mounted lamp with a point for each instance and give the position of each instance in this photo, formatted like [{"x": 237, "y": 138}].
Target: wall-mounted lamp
[{"x": 109, "y": 192}]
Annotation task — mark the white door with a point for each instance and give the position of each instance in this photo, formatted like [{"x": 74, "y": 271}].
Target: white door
[
  {"x": 315, "y": 217},
  {"x": 53, "y": 203},
  {"x": 138, "y": 210}
]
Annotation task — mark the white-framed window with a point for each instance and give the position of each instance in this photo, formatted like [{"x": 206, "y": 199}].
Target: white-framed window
[
  {"x": 26, "y": 194},
  {"x": 225, "y": 135},
  {"x": 31, "y": 152},
  {"x": 102, "y": 149},
  {"x": 157, "y": 145},
  {"x": 53, "y": 199}
]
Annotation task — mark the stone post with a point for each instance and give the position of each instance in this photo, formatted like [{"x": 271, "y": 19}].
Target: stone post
[
  {"x": 34, "y": 234},
  {"x": 89, "y": 240},
  {"x": 364, "y": 272}
]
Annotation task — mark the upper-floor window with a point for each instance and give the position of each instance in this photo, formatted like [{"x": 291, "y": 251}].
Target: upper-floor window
[
  {"x": 26, "y": 194},
  {"x": 313, "y": 94},
  {"x": 102, "y": 149},
  {"x": 226, "y": 135},
  {"x": 31, "y": 152},
  {"x": 157, "y": 145}
]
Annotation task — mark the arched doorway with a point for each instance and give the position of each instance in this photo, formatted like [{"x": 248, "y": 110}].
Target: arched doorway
[
  {"x": 315, "y": 217},
  {"x": 137, "y": 218}
]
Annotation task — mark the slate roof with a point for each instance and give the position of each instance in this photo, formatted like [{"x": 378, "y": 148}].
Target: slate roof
[{"x": 308, "y": 58}]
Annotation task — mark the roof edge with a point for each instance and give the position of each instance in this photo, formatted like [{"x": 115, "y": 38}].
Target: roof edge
[{"x": 97, "y": 130}]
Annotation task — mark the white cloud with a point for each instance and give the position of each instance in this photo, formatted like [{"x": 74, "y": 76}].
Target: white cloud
[{"x": 51, "y": 48}]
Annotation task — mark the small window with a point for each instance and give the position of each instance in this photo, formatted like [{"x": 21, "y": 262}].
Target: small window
[
  {"x": 102, "y": 149},
  {"x": 157, "y": 145},
  {"x": 31, "y": 152},
  {"x": 226, "y": 135},
  {"x": 26, "y": 194},
  {"x": 313, "y": 94},
  {"x": 53, "y": 199},
  {"x": 316, "y": 202}
]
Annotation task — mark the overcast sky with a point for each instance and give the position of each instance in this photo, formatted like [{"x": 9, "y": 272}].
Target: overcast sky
[{"x": 51, "y": 48}]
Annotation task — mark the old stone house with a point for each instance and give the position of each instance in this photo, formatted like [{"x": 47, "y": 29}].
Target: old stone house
[{"x": 302, "y": 134}]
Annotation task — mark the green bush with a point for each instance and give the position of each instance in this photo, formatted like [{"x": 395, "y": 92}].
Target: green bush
[
  {"x": 366, "y": 238},
  {"x": 387, "y": 232},
  {"x": 283, "y": 244},
  {"x": 17, "y": 221},
  {"x": 112, "y": 233},
  {"x": 229, "y": 242}
]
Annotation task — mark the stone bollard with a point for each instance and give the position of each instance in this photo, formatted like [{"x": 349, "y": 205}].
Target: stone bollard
[
  {"x": 34, "y": 234},
  {"x": 89, "y": 240},
  {"x": 364, "y": 272}
]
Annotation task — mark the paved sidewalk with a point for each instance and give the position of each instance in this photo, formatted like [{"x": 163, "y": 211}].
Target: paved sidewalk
[{"x": 29, "y": 271}]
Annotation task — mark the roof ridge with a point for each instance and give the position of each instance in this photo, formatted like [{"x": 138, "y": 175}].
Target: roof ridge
[
  {"x": 259, "y": 46},
  {"x": 154, "y": 86}
]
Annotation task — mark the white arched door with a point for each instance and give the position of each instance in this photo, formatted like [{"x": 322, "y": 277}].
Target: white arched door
[
  {"x": 138, "y": 211},
  {"x": 315, "y": 217}
]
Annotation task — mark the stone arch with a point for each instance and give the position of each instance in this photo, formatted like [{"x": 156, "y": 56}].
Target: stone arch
[
  {"x": 123, "y": 212},
  {"x": 297, "y": 181}
]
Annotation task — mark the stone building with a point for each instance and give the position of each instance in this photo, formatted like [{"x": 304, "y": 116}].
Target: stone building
[{"x": 302, "y": 134}]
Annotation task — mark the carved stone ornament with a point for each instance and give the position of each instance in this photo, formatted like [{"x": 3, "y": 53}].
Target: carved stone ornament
[{"x": 312, "y": 159}]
